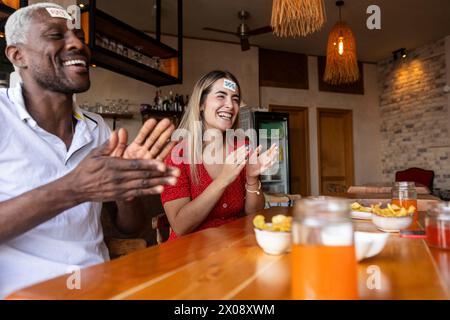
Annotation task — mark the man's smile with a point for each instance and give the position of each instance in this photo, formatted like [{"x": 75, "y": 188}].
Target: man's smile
[{"x": 77, "y": 64}]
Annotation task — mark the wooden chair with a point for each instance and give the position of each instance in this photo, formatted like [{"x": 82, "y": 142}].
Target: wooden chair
[
  {"x": 160, "y": 223},
  {"x": 418, "y": 175},
  {"x": 120, "y": 244},
  {"x": 121, "y": 247}
]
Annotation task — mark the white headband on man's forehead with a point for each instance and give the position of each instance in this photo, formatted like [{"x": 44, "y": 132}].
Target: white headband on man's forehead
[
  {"x": 59, "y": 13},
  {"x": 230, "y": 85}
]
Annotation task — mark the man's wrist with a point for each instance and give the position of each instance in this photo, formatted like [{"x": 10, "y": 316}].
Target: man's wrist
[
  {"x": 71, "y": 191},
  {"x": 60, "y": 194}
]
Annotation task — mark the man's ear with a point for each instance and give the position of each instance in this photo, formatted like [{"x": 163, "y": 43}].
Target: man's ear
[{"x": 14, "y": 54}]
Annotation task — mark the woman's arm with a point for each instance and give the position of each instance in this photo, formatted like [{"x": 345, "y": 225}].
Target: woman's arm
[
  {"x": 185, "y": 215},
  {"x": 253, "y": 201},
  {"x": 256, "y": 165}
]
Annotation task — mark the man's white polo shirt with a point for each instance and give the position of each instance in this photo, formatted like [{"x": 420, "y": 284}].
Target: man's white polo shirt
[{"x": 31, "y": 157}]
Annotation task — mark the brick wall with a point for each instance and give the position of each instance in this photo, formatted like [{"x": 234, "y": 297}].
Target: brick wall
[{"x": 414, "y": 113}]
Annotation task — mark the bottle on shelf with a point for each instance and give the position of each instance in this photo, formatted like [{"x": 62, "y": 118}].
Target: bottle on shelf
[
  {"x": 171, "y": 101},
  {"x": 180, "y": 103},
  {"x": 176, "y": 103},
  {"x": 159, "y": 103},
  {"x": 165, "y": 104},
  {"x": 155, "y": 100}
]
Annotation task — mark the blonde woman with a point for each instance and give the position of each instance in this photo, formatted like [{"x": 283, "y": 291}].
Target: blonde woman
[{"x": 212, "y": 193}]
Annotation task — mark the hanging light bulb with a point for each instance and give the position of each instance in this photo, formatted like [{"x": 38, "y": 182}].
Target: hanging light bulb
[{"x": 341, "y": 46}]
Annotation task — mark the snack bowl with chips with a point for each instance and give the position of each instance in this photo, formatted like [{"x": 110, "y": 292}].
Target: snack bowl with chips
[
  {"x": 392, "y": 218},
  {"x": 391, "y": 224},
  {"x": 360, "y": 212},
  {"x": 274, "y": 238}
]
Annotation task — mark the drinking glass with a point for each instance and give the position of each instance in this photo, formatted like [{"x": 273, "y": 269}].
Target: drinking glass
[{"x": 323, "y": 253}]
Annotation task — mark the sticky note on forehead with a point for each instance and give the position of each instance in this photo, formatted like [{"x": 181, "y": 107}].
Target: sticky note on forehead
[
  {"x": 58, "y": 13},
  {"x": 230, "y": 85}
]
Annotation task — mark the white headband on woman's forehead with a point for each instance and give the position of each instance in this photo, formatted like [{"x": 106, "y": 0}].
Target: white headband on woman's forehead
[
  {"x": 230, "y": 85},
  {"x": 58, "y": 13}
]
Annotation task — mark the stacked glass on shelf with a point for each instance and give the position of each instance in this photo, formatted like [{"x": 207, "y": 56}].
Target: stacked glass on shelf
[
  {"x": 112, "y": 106},
  {"x": 121, "y": 49},
  {"x": 177, "y": 103}
]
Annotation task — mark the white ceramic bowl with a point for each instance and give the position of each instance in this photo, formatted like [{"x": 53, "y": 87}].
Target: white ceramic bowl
[
  {"x": 369, "y": 244},
  {"x": 391, "y": 224},
  {"x": 360, "y": 215},
  {"x": 273, "y": 242}
]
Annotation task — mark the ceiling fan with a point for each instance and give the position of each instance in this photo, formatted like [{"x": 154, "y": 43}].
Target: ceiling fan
[{"x": 243, "y": 31}]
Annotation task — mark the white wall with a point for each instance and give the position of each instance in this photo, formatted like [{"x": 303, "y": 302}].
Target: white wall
[
  {"x": 365, "y": 120},
  {"x": 200, "y": 57}
]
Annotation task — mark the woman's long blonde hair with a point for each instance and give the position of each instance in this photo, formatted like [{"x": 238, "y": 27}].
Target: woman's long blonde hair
[{"x": 193, "y": 116}]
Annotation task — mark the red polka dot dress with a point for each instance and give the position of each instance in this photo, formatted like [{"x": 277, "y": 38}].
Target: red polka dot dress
[{"x": 227, "y": 209}]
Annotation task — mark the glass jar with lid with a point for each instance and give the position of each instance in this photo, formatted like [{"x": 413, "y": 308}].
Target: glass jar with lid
[
  {"x": 404, "y": 195},
  {"x": 437, "y": 225}
]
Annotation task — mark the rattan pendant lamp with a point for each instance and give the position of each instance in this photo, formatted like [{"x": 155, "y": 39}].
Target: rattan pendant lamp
[
  {"x": 292, "y": 18},
  {"x": 342, "y": 63}
]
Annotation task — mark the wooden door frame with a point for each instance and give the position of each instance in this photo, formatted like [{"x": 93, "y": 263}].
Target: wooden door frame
[
  {"x": 351, "y": 148},
  {"x": 273, "y": 108}
]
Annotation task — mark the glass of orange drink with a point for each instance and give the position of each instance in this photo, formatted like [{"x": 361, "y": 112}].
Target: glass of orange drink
[{"x": 323, "y": 254}]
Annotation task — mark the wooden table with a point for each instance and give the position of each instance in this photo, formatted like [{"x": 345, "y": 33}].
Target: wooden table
[
  {"x": 226, "y": 263},
  {"x": 383, "y": 188}
]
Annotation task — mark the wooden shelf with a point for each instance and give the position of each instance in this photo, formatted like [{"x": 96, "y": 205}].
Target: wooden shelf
[
  {"x": 175, "y": 116},
  {"x": 133, "y": 38},
  {"x": 112, "y": 61},
  {"x": 100, "y": 24},
  {"x": 163, "y": 113},
  {"x": 117, "y": 115}
]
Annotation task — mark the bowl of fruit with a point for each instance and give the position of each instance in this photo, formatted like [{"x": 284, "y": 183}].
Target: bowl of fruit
[{"x": 273, "y": 237}]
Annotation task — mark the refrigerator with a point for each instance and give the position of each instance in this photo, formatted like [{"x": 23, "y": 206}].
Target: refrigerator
[{"x": 273, "y": 127}]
